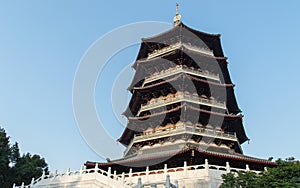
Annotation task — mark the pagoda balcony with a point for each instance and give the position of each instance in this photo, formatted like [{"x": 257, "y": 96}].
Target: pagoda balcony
[
  {"x": 179, "y": 45},
  {"x": 180, "y": 97},
  {"x": 181, "y": 69},
  {"x": 181, "y": 128}
]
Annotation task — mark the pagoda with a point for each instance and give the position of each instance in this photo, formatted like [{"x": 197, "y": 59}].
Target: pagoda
[
  {"x": 184, "y": 128},
  {"x": 183, "y": 110}
]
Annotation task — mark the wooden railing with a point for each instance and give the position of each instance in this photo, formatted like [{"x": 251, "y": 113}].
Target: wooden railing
[
  {"x": 180, "y": 97},
  {"x": 185, "y": 128},
  {"x": 181, "y": 69}
]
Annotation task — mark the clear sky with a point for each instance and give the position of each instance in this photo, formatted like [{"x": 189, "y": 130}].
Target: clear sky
[{"x": 42, "y": 43}]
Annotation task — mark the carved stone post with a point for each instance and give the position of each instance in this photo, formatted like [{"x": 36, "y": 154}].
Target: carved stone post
[
  {"x": 130, "y": 175},
  {"x": 166, "y": 169},
  {"x": 32, "y": 182},
  {"x": 115, "y": 174},
  {"x": 227, "y": 167},
  {"x": 185, "y": 168},
  {"x": 147, "y": 173},
  {"x": 247, "y": 168}
]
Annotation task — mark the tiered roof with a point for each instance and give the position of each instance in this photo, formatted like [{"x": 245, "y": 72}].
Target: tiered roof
[{"x": 176, "y": 49}]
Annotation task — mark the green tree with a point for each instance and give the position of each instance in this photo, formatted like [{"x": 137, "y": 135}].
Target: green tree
[
  {"x": 29, "y": 166},
  {"x": 239, "y": 180},
  {"x": 15, "y": 153},
  {"x": 5, "y": 153},
  {"x": 286, "y": 174},
  {"x": 229, "y": 181},
  {"x": 17, "y": 169}
]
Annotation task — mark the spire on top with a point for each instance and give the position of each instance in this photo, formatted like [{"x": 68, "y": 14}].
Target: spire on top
[{"x": 177, "y": 16}]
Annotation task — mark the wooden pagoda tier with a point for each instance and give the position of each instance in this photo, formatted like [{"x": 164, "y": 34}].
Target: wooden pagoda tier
[
  {"x": 182, "y": 82},
  {"x": 216, "y": 67},
  {"x": 203, "y": 135},
  {"x": 186, "y": 112},
  {"x": 157, "y": 158},
  {"x": 183, "y": 34}
]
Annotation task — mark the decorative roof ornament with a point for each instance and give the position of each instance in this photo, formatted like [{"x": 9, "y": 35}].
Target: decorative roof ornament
[{"x": 177, "y": 17}]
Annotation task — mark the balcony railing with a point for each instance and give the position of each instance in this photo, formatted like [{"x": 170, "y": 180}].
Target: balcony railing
[
  {"x": 181, "y": 69},
  {"x": 180, "y": 97},
  {"x": 184, "y": 128},
  {"x": 178, "y": 45}
]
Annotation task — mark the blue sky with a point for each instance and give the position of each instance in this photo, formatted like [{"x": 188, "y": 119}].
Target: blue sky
[{"x": 42, "y": 43}]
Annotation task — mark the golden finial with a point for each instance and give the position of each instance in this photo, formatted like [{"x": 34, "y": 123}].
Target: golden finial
[{"x": 177, "y": 16}]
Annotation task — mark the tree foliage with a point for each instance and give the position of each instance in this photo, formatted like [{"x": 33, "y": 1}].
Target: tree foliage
[
  {"x": 15, "y": 168},
  {"x": 5, "y": 153},
  {"x": 285, "y": 175}
]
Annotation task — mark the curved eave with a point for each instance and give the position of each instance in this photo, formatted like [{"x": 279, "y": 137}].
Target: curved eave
[
  {"x": 211, "y": 40},
  {"x": 240, "y": 157},
  {"x": 143, "y": 53},
  {"x": 235, "y": 157}
]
